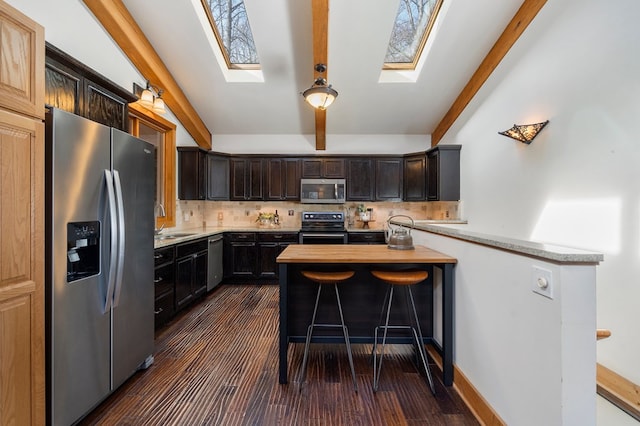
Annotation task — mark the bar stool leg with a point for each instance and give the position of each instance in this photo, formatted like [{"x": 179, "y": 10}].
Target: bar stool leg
[
  {"x": 378, "y": 367},
  {"x": 346, "y": 340},
  {"x": 420, "y": 344},
  {"x": 303, "y": 373}
]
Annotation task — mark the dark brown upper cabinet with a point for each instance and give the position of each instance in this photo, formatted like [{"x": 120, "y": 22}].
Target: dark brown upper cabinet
[
  {"x": 360, "y": 179},
  {"x": 415, "y": 177},
  {"x": 72, "y": 86},
  {"x": 389, "y": 179},
  {"x": 246, "y": 179},
  {"x": 332, "y": 168},
  {"x": 282, "y": 179},
  {"x": 217, "y": 177},
  {"x": 443, "y": 173},
  {"x": 192, "y": 173}
]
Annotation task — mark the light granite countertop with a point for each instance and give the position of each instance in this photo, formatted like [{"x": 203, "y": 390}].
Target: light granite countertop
[{"x": 550, "y": 252}]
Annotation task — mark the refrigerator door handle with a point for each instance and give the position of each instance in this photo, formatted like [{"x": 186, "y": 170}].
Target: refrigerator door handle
[
  {"x": 121, "y": 230},
  {"x": 114, "y": 240}
]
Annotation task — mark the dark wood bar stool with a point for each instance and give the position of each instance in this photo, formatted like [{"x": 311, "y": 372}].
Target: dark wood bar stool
[
  {"x": 323, "y": 278},
  {"x": 405, "y": 279}
]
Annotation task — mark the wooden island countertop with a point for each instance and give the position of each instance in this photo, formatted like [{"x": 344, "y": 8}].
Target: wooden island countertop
[{"x": 356, "y": 253}]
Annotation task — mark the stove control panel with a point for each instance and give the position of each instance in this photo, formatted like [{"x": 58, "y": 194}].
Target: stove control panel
[{"x": 323, "y": 217}]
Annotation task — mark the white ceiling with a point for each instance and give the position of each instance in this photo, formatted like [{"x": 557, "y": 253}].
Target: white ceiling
[{"x": 358, "y": 37}]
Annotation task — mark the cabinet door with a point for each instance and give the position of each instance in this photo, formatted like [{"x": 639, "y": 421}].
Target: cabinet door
[
  {"x": 184, "y": 277},
  {"x": 217, "y": 177},
  {"x": 275, "y": 184},
  {"x": 238, "y": 172},
  {"x": 22, "y": 256},
  {"x": 388, "y": 179},
  {"x": 443, "y": 173},
  {"x": 22, "y": 58},
  {"x": 200, "y": 264},
  {"x": 415, "y": 178},
  {"x": 268, "y": 254},
  {"x": 360, "y": 180},
  {"x": 255, "y": 180},
  {"x": 333, "y": 168},
  {"x": 192, "y": 169},
  {"x": 291, "y": 179},
  {"x": 244, "y": 259},
  {"x": 312, "y": 168}
]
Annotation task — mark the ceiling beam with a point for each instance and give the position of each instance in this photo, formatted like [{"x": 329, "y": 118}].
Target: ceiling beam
[
  {"x": 118, "y": 22},
  {"x": 520, "y": 21},
  {"x": 320, "y": 17}
]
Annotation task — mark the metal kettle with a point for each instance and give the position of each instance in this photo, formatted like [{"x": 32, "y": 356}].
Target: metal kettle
[{"x": 399, "y": 238}]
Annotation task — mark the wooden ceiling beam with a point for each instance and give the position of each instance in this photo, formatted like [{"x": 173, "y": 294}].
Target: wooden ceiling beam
[
  {"x": 320, "y": 17},
  {"x": 118, "y": 22},
  {"x": 520, "y": 21}
]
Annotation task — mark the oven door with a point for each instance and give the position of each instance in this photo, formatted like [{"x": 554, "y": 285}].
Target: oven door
[{"x": 310, "y": 237}]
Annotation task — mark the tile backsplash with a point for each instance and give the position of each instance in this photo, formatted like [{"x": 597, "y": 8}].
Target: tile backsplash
[{"x": 195, "y": 214}]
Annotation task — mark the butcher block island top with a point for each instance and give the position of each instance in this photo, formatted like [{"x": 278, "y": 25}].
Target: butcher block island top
[{"x": 356, "y": 253}]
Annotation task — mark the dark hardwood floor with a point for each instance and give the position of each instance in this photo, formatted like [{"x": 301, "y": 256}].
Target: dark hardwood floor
[{"x": 217, "y": 364}]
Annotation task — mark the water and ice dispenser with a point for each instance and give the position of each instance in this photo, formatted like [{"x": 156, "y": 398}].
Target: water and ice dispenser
[{"x": 83, "y": 250}]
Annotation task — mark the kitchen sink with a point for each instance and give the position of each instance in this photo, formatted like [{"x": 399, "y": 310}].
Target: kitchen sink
[{"x": 172, "y": 236}]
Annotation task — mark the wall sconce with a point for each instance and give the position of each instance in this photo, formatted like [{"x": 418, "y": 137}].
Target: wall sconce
[
  {"x": 320, "y": 95},
  {"x": 150, "y": 97},
  {"x": 525, "y": 132}
]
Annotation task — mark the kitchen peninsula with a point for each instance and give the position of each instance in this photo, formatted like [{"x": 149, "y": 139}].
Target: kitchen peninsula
[{"x": 362, "y": 295}]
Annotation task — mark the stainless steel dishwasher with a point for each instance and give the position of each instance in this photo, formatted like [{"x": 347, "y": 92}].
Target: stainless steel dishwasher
[{"x": 214, "y": 275}]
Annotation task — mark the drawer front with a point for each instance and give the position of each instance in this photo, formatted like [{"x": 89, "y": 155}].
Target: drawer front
[
  {"x": 240, "y": 236},
  {"x": 163, "y": 279},
  {"x": 277, "y": 237},
  {"x": 191, "y": 247},
  {"x": 366, "y": 238},
  {"x": 163, "y": 255},
  {"x": 164, "y": 309}
]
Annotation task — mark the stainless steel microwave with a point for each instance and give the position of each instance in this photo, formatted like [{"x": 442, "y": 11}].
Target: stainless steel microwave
[{"x": 322, "y": 191}]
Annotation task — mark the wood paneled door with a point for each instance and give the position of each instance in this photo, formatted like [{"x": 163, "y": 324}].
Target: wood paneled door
[{"x": 22, "y": 344}]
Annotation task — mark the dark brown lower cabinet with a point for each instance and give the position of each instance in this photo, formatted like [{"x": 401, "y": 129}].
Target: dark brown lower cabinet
[
  {"x": 270, "y": 245},
  {"x": 252, "y": 255},
  {"x": 164, "y": 285},
  {"x": 191, "y": 271}
]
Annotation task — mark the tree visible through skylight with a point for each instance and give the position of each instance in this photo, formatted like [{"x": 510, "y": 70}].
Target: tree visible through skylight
[
  {"x": 233, "y": 31},
  {"x": 409, "y": 35}
]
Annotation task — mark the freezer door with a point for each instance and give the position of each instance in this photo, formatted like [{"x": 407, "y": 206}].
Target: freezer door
[
  {"x": 77, "y": 328},
  {"x": 133, "y": 303}
]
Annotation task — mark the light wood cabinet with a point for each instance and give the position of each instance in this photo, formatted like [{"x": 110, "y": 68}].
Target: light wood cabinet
[{"x": 22, "y": 345}]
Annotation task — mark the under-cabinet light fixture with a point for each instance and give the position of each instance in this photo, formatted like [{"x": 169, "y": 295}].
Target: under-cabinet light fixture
[
  {"x": 524, "y": 132},
  {"x": 320, "y": 95},
  {"x": 150, "y": 97}
]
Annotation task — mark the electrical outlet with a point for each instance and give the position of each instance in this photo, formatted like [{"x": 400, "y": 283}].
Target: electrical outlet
[
  {"x": 542, "y": 282},
  {"x": 220, "y": 216},
  {"x": 290, "y": 212}
]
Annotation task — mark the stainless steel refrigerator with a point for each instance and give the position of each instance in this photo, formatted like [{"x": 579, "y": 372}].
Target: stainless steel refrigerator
[{"x": 99, "y": 262}]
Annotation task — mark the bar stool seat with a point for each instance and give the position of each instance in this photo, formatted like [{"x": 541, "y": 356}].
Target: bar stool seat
[
  {"x": 323, "y": 278},
  {"x": 406, "y": 279}
]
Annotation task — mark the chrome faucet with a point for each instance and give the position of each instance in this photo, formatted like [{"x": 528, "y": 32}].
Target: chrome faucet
[{"x": 157, "y": 207}]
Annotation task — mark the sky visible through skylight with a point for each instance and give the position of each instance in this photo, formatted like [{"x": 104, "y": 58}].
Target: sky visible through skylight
[
  {"x": 232, "y": 22},
  {"x": 412, "y": 21}
]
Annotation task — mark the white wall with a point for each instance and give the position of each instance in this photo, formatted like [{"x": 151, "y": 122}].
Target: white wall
[
  {"x": 71, "y": 27},
  {"x": 306, "y": 144},
  {"x": 530, "y": 357},
  {"x": 578, "y": 183}
]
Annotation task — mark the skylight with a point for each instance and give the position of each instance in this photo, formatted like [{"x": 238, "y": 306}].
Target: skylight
[
  {"x": 230, "y": 24},
  {"x": 413, "y": 24}
]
